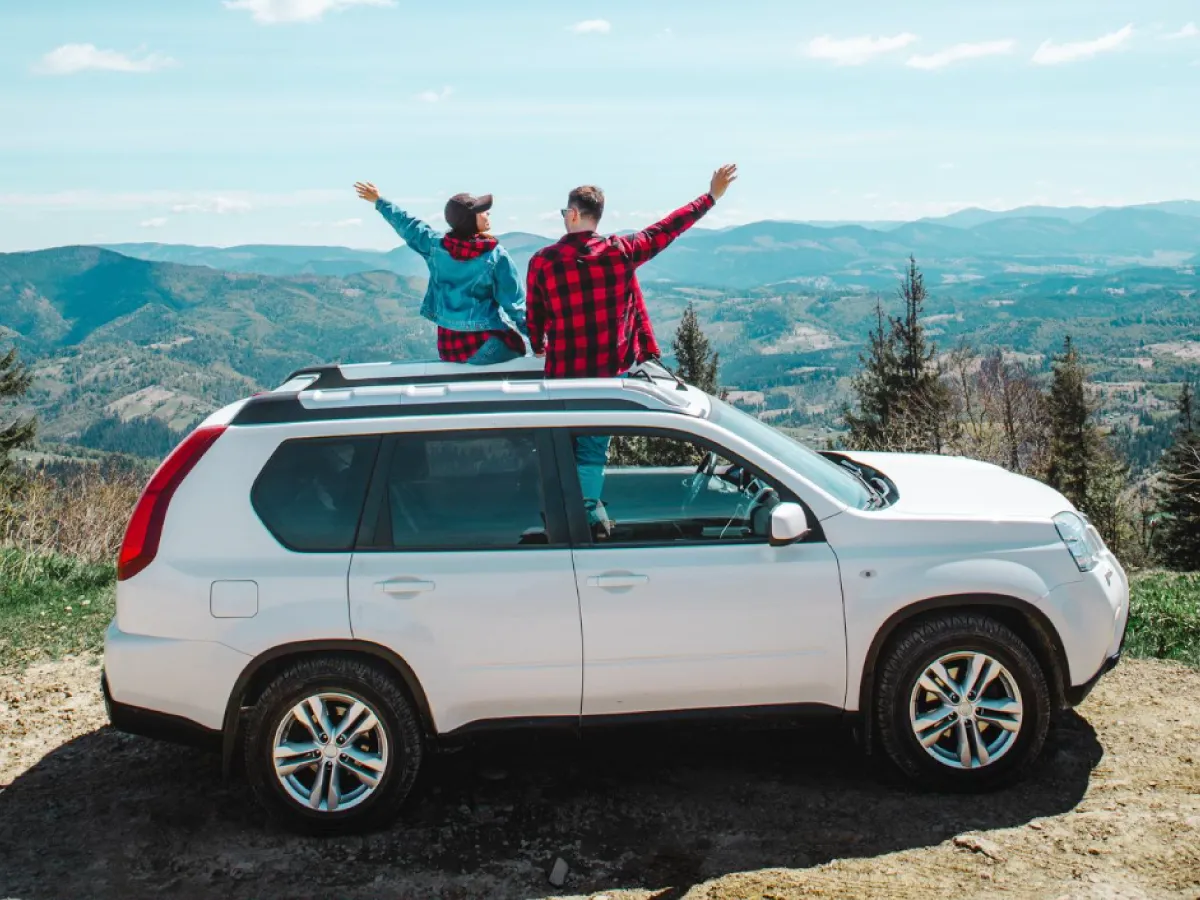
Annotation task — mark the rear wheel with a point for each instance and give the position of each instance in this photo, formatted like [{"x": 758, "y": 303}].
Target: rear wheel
[
  {"x": 333, "y": 745},
  {"x": 962, "y": 703}
]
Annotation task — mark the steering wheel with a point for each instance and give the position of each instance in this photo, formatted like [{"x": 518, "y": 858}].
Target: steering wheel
[{"x": 699, "y": 481}]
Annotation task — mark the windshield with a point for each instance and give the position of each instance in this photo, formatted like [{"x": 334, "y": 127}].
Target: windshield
[{"x": 808, "y": 464}]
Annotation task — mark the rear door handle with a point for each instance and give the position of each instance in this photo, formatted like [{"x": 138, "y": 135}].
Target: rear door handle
[
  {"x": 616, "y": 581},
  {"x": 405, "y": 586}
]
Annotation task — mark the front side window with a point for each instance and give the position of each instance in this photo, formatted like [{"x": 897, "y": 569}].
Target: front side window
[
  {"x": 310, "y": 493},
  {"x": 639, "y": 489},
  {"x": 466, "y": 492}
]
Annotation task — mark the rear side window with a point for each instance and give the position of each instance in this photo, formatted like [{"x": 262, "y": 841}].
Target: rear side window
[
  {"x": 310, "y": 493},
  {"x": 467, "y": 492}
]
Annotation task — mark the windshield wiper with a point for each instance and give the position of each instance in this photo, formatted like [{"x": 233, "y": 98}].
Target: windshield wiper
[{"x": 877, "y": 498}]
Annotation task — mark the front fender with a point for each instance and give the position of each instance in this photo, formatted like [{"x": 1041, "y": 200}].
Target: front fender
[{"x": 881, "y": 596}]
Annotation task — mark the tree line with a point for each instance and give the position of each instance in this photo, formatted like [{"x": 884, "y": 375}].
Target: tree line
[
  {"x": 906, "y": 397},
  {"x": 990, "y": 406}
]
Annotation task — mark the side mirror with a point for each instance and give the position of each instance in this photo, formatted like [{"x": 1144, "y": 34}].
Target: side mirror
[{"x": 789, "y": 523}]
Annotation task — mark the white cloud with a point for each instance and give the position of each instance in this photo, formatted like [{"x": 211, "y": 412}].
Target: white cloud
[
  {"x": 70, "y": 59},
  {"x": 347, "y": 223},
  {"x": 961, "y": 52},
  {"x": 155, "y": 223},
  {"x": 592, "y": 26},
  {"x": 435, "y": 96},
  {"x": 1052, "y": 54},
  {"x": 1187, "y": 31},
  {"x": 272, "y": 12},
  {"x": 856, "y": 50},
  {"x": 218, "y": 205},
  {"x": 946, "y": 165}
]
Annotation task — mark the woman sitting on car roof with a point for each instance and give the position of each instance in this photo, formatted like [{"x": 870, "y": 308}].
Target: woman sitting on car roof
[{"x": 476, "y": 296}]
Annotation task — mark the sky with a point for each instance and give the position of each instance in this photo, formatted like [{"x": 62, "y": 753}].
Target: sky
[{"x": 223, "y": 122}]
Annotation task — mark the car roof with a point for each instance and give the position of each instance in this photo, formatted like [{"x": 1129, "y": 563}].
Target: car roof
[{"x": 390, "y": 389}]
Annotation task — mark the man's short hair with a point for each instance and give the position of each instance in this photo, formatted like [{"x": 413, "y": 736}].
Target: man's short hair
[{"x": 589, "y": 200}]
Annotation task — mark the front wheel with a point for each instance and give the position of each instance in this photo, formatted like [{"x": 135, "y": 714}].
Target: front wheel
[
  {"x": 962, "y": 703},
  {"x": 333, "y": 745}
]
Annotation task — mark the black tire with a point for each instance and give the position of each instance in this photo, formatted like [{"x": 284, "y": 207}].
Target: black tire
[
  {"x": 906, "y": 660},
  {"x": 359, "y": 680}
]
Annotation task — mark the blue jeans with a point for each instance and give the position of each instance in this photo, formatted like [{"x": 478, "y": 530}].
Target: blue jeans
[
  {"x": 591, "y": 456},
  {"x": 492, "y": 352}
]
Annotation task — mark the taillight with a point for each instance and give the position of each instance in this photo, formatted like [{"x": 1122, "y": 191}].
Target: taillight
[{"x": 145, "y": 525}]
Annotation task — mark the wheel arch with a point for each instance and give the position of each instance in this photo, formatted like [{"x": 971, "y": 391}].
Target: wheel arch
[
  {"x": 1025, "y": 619},
  {"x": 255, "y": 677}
]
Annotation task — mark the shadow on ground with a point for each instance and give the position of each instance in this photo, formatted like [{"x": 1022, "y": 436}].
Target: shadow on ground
[{"x": 113, "y": 816}]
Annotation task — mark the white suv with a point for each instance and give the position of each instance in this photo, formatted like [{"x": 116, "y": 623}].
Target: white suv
[{"x": 341, "y": 574}]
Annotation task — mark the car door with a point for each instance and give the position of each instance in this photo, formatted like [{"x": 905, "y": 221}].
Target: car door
[
  {"x": 464, "y": 569},
  {"x": 685, "y": 604}
]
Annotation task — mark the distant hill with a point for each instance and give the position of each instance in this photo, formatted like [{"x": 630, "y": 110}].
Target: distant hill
[
  {"x": 973, "y": 243},
  {"x": 969, "y": 218},
  {"x": 123, "y": 348},
  {"x": 111, "y": 336}
]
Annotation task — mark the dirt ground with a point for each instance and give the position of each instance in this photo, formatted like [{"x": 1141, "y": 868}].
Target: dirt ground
[{"x": 1113, "y": 812}]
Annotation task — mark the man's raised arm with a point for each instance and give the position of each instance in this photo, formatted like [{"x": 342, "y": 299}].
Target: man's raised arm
[{"x": 647, "y": 244}]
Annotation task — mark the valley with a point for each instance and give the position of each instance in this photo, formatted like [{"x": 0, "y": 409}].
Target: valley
[{"x": 129, "y": 349}]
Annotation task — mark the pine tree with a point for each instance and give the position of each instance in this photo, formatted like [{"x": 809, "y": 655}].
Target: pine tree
[
  {"x": 926, "y": 420},
  {"x": 1178, "y": 492},
  {"x": 1082, "y": 465},
  {"x": 695, "y": 360},
  {"x": 1072, "y": 442},
  {"x": 874, "y": 387},
  {"x": 903, "y": 403},
  {"x": 14, "y": 382}
]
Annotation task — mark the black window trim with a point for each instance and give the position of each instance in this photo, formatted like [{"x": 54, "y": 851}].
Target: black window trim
[
  {"x": 375, "y": 530},
  {"x": 319, "y": 438},
  {"x": 581, "y": 534}
]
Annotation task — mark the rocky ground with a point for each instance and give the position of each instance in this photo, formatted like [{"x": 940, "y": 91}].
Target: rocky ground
[{"x": 1113, "y": 812}]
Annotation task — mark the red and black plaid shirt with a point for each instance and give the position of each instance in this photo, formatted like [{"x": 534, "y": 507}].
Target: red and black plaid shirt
[
  {"x": 460, "y": 346},
  {"x": 585, "y": 305}
]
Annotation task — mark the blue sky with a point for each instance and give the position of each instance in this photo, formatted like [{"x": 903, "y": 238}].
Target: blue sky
[{"x": 203, "y": 121}]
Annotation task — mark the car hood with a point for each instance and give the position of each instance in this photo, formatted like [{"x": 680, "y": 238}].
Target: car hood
[{"x": 954, "y": 486}]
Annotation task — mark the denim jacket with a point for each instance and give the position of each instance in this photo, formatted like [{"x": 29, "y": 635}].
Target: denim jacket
[{"x": 482, "y": 294}]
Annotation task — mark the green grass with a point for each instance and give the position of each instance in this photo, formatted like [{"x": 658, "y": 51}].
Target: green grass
[
  {"x": 51, "y": 606},
  {"x": 1164, "y": 617}
]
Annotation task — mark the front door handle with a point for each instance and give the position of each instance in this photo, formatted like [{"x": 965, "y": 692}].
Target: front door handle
[
  {"x": 405, "y": 586},
  {"x": 616, "y": 581}
]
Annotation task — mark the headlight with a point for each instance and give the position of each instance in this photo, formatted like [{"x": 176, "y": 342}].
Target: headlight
[{"x": 1082, "y": 541}]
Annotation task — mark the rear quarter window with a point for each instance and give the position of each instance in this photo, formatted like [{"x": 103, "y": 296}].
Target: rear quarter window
[{"x": 310, "y": 494}]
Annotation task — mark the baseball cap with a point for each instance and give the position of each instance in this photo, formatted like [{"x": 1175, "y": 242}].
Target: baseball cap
[{"x": 462, "y": 208}]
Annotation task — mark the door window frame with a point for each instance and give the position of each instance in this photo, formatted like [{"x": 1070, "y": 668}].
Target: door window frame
[
  {"x": 572, "y": 493},
  {"x": 375, "y": 528}
]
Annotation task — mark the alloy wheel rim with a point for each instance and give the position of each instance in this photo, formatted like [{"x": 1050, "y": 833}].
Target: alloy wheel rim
[
  {"x": 330, "y": 752},
  {"x": 965, "y": 710}
]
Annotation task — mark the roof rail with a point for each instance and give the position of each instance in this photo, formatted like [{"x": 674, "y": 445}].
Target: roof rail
[
  {"x": 374, "y": 390},
  {"x": 526, "y": 368},
  {"x": 426, "y": 372}
]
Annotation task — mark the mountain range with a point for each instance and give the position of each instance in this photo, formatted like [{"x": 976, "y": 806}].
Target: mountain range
[
  {"x": 160, "y": 335},
  {"x": 970, "y": 244}
]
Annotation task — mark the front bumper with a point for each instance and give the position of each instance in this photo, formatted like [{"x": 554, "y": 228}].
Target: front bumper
[{"x": 1077, "y": 694}]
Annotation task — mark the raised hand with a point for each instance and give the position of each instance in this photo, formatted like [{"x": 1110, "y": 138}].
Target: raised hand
[
  {"x": 367, "y": 191},
  {"x": 722, "y": 179}
]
